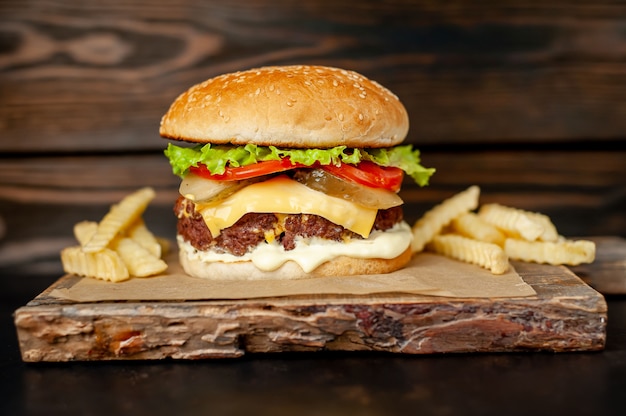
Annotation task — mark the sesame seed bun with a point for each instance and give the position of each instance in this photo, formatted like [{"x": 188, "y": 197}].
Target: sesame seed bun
[{"x": 288, "y": 106}]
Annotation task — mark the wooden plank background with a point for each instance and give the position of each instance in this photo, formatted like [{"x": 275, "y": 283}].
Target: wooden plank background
[{"x": 524, "y": 99}]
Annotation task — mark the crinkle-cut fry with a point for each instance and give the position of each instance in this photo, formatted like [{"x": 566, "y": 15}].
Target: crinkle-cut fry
[
  {"x": 472, "y": 226},
  {"x": 514, "y": 222},
  {"x": 105, "y": 264},
  {"x": 550, "y": 232},
  {"x": 487, "y": 255},
  {"x": 433, "y": 221},
  {"x": 84, "y": 230},
  {"x": 138, "y": 260},
  {"x": 119, "y": 216},
  {"x": 565, "y": 252},
  {"x": 139, "y": 232}
]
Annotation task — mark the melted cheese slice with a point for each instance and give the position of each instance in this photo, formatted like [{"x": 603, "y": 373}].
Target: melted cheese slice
[{"x": 286, "y": 196}]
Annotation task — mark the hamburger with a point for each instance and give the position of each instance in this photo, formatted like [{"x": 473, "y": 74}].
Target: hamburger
[{"x": 290, "y": 172}]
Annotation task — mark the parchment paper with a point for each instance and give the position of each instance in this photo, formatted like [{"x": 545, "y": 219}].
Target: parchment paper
[{"x": 427, "y": 274}]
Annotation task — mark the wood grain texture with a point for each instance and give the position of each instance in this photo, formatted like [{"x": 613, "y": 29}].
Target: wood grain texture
[
  {"x": 608, "y": 273},
  {"x": 565, "y": 315},
  {"x": 89, "y": 76}
]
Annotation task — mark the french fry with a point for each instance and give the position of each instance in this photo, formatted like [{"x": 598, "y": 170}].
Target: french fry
[
  {"x": 487, "y": 255},
  {"x": 138, "y": 260},
  {"x": 433, "y": 221},
  {"x": 514, "y": 222},
  {"x": 472, "y": 226},
  {"x": 142, "y": 235},
  {"x": 567, "y": 252},
  {"x": 118, "y": 247},
  {"x": 495, "y": 234},
  {"x": 104, "y": 265},
  {"x": 550, "y": 232},
  {"x": 84, "y": 230},
  {"x": 119, "y": 216}
]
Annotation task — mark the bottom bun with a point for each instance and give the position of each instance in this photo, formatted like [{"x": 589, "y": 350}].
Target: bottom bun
[{"x": 246, "y": 270}]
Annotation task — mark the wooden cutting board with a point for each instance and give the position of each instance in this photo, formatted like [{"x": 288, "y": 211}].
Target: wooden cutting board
[{"x": 565, "y": 315}]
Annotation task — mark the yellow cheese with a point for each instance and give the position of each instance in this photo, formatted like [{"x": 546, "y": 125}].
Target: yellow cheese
[{"x": 284, "y": 195}]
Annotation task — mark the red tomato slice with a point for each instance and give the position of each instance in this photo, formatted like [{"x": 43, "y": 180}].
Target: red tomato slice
[
  {"x": 366, "y": 173},
  {"x": 369, "y": 174},
  {"x": 246, "y": 172}
]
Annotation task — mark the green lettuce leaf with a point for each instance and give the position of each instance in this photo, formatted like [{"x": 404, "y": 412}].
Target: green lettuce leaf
[
  {"x": 217, "y": 157},
  {"x": 403, "y": 157}
]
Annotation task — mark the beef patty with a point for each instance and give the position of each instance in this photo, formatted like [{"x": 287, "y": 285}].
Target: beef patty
[{"x": 254, "y": 228}]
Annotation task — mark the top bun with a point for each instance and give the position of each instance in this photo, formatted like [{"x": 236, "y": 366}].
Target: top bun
[{"x": 288, "y": 106}]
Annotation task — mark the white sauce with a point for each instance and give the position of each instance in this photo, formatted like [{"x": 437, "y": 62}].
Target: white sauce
[{"x": 310, "y": 253}]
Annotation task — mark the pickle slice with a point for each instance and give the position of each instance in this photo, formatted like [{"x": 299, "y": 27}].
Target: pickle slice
[{"x": 322, "y": 181}]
